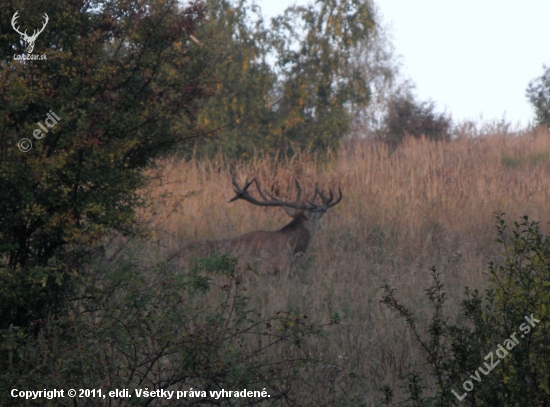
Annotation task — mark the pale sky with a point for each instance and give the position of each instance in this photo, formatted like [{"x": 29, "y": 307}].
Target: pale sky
[{"x": 471, "y": 57}]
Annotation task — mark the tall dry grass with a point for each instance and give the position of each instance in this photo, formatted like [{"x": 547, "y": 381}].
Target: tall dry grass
[{"x": 424, "y": 204}]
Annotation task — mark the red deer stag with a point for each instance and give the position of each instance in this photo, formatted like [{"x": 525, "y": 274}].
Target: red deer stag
[{"x": 273, "y": 248}]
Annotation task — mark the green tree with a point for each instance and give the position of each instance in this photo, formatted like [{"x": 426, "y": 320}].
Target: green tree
[
  {"x": 538, "y": 93},
  {"x": 290, "y": 86},
  {"x": 238, "y": 119},
  {"x": 319, "y": 85},
  {"x": 119, "y": 74}
]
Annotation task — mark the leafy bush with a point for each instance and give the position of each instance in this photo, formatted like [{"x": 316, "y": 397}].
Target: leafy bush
[
  {"x": 407, "y": 117},
  {"x": 136, "y": 329},
  {"x": 119, "y": 75},
  {"x": 501, "y": 357},
  {"x": 538, "y": 93}
]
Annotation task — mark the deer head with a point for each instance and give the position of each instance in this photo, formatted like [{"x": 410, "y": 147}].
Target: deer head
[
  {"x": 28, "y": 40},
  {"x": 310, "y": 211}
]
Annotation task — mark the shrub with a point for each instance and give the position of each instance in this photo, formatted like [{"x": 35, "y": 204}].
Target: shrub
[
  {"x": 538, "y": 93},
  {"x": 156, "y": 329},
  {"x": 407, "y": 117},
  {"x": 119, "y": 75},
  {"x": 501, "y": 356}
]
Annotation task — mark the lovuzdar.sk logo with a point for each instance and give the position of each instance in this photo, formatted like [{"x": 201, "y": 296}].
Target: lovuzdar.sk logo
[{"x": 29, "y": 40}]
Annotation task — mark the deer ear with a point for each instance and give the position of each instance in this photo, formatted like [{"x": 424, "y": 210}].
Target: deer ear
[{"x": 292, "y": 212}]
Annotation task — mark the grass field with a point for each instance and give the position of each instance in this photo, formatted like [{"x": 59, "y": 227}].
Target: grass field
[{"x": 423, "y": 205}]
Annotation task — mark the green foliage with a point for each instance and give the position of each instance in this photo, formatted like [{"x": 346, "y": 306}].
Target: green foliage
[
  {"x": 538, "y": 93},
  {"x": 407, "y": 117},
  {"x": 456, "y": 354},
  {"x": 315, "y": 46},
  {"x": 132, "y": 328},
  {"x": 119, "y": 74},
  {"x": 305, "y": 97},
  {"x": 237, "y": 119}
]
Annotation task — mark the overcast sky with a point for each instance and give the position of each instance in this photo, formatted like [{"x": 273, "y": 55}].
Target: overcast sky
[{"x": 472, "y": 57}]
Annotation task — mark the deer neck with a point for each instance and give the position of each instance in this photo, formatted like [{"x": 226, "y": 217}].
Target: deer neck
[{"x": 299, "y": 233}]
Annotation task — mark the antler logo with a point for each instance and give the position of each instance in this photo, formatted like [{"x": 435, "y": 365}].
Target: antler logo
[{"x": 28, "y": 40}]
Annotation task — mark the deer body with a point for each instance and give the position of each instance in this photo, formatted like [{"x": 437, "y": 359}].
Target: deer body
[
  {"x": 292, "y": 239},
  {"x": 271, "y": 248}
]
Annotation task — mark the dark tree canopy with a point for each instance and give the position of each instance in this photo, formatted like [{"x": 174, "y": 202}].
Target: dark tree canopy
[{"x": 119, "y": 75}]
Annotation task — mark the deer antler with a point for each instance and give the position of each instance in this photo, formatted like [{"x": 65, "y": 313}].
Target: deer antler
[
  {"x": 243, "y": 193},
  {"x": 36, "y": 34},
  {"x": 326, "y": 202},
  {"x": 29, "y": 41},
  {"x": 15, "y": 17}
]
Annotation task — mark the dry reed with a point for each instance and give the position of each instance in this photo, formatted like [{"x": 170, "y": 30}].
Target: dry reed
[{"x": 424, "y": 204}]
